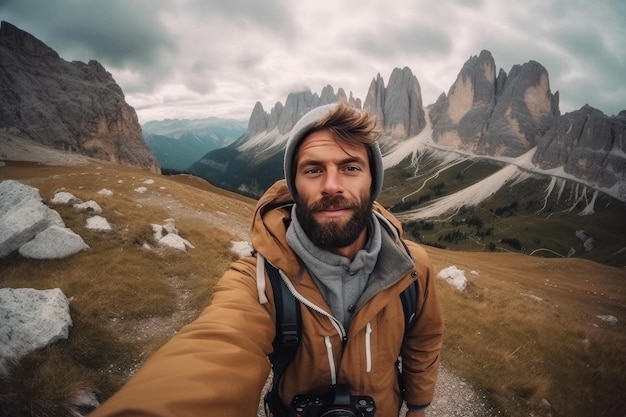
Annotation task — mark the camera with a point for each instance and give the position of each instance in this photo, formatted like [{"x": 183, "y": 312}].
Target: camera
[{"x": 336, "y": 402}]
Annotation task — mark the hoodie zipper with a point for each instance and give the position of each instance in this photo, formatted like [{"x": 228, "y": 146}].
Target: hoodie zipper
[{"x": 336, "y": 323}]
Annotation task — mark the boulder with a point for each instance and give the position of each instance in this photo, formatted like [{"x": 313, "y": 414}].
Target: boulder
[
  {"x": 31, "y": 319},
  {"x": 53, "y": 243},
  {"x": 22, "y": 215}
]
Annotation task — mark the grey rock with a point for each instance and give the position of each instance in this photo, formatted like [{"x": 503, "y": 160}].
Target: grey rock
[
  {"x": 588, "y": 145},
  {"x": 523, "y": 113},
  {"x": 89, "y": 207},
  {"x": 22, "y": 215},
  {"x": 53, "y": 243},
  {"x": 399, "y": 106},
  {"x": 71, "y": 106},
  {"x": 31, "y": 319},
  {"x": 461, "y": 118},
  {"x": 497, "y": 116},
  {"x": 258, "y": 121},
  {"x": 64, "y": 197}
]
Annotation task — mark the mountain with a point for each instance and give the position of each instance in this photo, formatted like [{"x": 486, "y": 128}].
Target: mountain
[
  {"x": 485, "y": 114},
  {"x": 177, "y": 143},
  {"x": 254, "y": 162},
  {"x": 489, "y": 164},
  {"x": 71, "y": 106}
]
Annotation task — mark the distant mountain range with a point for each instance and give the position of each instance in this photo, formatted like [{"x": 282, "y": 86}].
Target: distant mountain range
[
  {"x": 485, "y": 114},
  {"x": 177, "y": 143}
]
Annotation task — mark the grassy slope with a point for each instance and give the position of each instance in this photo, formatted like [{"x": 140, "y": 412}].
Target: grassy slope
[
  {"x": 535, "y": 223},
  {"x": 526, "y": 331}
]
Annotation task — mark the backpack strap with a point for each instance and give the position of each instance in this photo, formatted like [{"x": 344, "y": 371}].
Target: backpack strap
[
  {"x": 408, "y": 297},
  {"x": 288, "y": 334}
]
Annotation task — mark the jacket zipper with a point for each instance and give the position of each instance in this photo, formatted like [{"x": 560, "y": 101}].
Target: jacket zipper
[{"x": 368, "y": 348}]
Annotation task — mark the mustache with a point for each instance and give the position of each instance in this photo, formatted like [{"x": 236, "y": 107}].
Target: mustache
[{"x": 333, "y": 203}]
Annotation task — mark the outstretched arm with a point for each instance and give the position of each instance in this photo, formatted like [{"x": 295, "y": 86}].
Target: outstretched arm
[{"x": 216, "y": 365}]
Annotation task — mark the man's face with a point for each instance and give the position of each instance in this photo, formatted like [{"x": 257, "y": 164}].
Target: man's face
[{"x": 333, "y": 181}]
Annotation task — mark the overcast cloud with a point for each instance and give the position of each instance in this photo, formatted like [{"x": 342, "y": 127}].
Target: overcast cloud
[{"x": 201, "y": 58}]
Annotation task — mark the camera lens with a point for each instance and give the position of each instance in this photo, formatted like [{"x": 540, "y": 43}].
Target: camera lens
[{"x": 338, "y": 412}]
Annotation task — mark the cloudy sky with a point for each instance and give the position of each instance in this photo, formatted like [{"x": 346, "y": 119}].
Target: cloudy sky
[{"x": 201, "y": 58}]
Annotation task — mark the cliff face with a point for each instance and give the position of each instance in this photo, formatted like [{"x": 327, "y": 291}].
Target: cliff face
[
  {"x": 588, "y": 145},
  {"x": 399, "y": 105},
  {"x": 71, "y": 106},
  {"x": 498, "y": 116}
]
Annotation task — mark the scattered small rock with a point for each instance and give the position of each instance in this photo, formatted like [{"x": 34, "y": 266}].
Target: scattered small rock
[{"x": 98, "y": 223}]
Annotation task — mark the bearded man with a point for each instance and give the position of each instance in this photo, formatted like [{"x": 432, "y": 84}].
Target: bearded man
[{"x": 342, "y": 256}]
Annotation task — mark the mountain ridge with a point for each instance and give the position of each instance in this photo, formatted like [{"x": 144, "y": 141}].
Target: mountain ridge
[
  {"x": 483, "y": 114},
  {"x": 72, "y": 106}
]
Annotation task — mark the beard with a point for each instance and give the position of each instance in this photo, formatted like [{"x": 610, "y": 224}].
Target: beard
[{"x": 334, "y": 233}]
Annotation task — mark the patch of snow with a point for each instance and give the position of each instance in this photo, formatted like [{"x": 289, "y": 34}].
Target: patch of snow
[
  {"x": 264, "y": 140},
  {"x": 149, "y": 181},
  {"x": 105, "y": 192},
  {"x": 141, "y": 190},
  {"x": 469, "y": 196}
]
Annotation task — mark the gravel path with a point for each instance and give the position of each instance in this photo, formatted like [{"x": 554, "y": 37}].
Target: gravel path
[{"x": 456, "y": 398}]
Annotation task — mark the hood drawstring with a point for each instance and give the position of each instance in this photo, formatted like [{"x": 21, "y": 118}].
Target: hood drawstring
[
  {"x": 368, "y": 348},
  {"x": 331, "y": 360},
  {"x": 260, "y": 278}
]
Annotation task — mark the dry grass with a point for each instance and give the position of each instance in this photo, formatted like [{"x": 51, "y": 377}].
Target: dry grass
[
  {"x": 126, "y": 300},
  {"x": 526, "y": 331}
]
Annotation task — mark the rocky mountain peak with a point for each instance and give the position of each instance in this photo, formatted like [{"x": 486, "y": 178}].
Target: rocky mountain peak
[
  {"x": 460, "y": 119},
  {"x": 71, "y": 106},
  {"x": 503, "y": 116},
  {"x": 398, "y": 106},
  {"x": 588, "y": 145},
  {"x": 24, "y": 40}
]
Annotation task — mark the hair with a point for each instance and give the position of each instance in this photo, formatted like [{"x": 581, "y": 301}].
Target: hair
[{"x": 350, "y": 124}]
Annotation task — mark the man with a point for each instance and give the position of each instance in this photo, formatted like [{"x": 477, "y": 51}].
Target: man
[{"x": 342, "y": 256}]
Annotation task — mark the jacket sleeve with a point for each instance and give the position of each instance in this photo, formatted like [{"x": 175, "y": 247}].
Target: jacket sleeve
[
  {"x": 215, "y": 366},
  {"x": 423, "y": 341}
]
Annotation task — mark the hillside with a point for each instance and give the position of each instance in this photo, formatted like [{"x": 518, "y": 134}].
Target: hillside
[{"x": 527, "y": 333}]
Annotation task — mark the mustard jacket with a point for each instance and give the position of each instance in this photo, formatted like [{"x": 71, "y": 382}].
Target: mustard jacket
[{"x": 217, "y": 365}]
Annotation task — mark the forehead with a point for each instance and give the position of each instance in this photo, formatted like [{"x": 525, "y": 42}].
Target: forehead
[{"x": 323, "y": 145}]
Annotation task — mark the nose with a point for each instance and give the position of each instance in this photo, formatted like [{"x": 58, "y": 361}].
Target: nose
[{"x": 332, "y": 183}]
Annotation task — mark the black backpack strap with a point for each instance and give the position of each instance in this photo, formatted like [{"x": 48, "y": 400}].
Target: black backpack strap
[
  {"x": 288, "y": 334},
  {"x": 409, "y": 304},
  {"x": 409, "y": 297}
]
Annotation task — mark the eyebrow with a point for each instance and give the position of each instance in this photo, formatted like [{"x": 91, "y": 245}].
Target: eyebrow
[{"x": 316, "y": 162}]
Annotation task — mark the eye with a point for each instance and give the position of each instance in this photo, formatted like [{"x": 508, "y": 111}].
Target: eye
[
  {"x": 352, "y": 168},
  {"x": 312, "y": 171}
]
